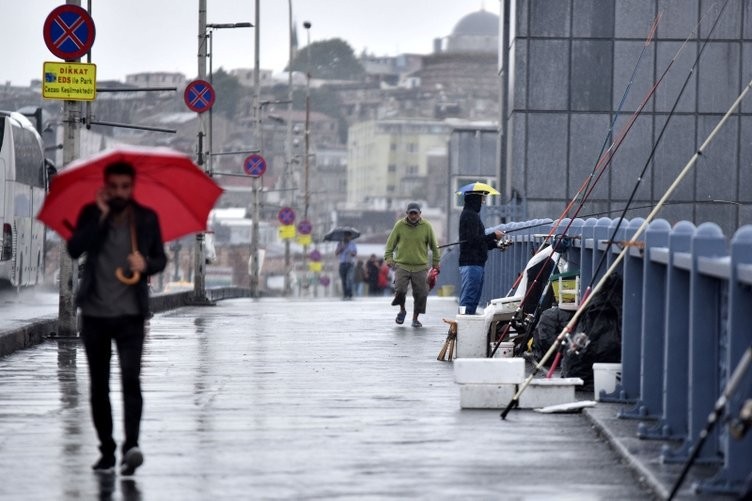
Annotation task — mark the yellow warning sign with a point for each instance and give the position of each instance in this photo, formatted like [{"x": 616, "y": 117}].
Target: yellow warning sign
[
  {"x": 315, "y": 266},
  {"x": 286, "y": 231},
  {"x": 69, "y": 81},
  {"x": 304, "y": 239}
]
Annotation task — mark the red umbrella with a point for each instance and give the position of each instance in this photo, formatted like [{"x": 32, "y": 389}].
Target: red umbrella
[{"x": 166, "y": 181}]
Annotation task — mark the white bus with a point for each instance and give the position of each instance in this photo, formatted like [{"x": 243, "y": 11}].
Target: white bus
[{"x": 23, "y": 177}]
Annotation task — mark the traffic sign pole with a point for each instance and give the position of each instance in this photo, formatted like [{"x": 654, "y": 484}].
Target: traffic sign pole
[{"x": 69, "y": 33}]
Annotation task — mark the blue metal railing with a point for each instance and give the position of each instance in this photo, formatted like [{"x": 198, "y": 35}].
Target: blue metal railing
[{"x": 687, "y": 320}]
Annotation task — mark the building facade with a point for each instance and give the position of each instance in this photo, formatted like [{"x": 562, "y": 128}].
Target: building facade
[{"x": 566, "y": 66}]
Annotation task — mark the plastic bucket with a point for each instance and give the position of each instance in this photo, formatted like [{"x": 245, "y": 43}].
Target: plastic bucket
[{"x": 605, "y": 377}]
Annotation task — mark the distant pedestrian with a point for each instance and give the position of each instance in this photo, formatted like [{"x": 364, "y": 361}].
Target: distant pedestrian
[
  {"x": 114, "y": 305},
  {"x": 407, "y": 253},
  {"x": 360, "y": 278},
  {"x": 346, "y": 251},
  {"x": 385, "y": 278},
  {"x": 474, "y": 246},
  {"x": 372, "y": 273}
]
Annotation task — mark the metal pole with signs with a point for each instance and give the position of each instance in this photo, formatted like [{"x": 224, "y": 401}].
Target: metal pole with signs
[
  {"x": 68, "y": 33},
  {"x": 199, "y": 97}
]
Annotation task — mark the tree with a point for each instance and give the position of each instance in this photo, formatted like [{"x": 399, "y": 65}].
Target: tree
[
  {"x": 228, "y": 92},
  {"x": 332, "y": 59}
]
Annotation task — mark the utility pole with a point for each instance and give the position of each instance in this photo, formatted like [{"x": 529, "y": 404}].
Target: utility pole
[
  {"x": 66, "y": 323},
  {"x": 256, "y": 180},
  {"x": 199, "y": 284},
  {"x": 307, "y": 135},
  {"x": 288, "y": 142}
]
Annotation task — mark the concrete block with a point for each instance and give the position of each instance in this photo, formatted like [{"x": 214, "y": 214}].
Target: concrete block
[
  {"x": 471, "y": 336},
  {"x": 543, "y": 392},
  {"x": 486, "y": 396},
  {"x": 489, "y": 370}
]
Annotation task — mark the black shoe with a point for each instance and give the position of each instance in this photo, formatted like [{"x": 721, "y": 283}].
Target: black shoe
[
  {"x": 132, "y": 459},
  {"x": 106, "y": 464}
]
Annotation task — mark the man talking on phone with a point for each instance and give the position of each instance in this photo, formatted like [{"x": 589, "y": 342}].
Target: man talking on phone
[{"x": 123, "y": 246}]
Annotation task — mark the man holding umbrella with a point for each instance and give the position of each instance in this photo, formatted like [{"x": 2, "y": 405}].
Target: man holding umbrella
[
  {"x": 123, "y": 246},
  {"x": 407, "y": 253}
]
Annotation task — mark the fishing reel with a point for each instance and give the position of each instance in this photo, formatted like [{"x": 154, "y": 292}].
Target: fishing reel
[
  {"x": 522, "y": 322},
  {"x": 738, "y": 427},
  {"x": 503, "y": 244},
  {"x": 578, "y": 343}
]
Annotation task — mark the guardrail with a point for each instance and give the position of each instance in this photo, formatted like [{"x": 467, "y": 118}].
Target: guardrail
[{"x": 687, "y": 320}]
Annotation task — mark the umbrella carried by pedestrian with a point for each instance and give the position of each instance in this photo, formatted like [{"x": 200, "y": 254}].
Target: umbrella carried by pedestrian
[
  {"x": 338, "y": 233},
  {"x": 168, "y": 182}
]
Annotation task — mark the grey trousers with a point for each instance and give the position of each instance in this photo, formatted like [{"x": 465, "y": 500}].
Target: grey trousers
[{"x": 416, "y": 279}]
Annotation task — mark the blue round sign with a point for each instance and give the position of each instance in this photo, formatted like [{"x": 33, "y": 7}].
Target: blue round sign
[
  {"x": 69, "y": 32},
  {"x": 199, "y": 96},
  {"x": 305, "y": 227},
  {"x": 254, "y": 165},
  {"x": 314, "y": 255},
  {"x": 286, "y": 215}
]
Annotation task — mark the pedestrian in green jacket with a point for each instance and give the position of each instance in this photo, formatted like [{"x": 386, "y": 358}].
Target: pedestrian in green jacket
[{"x": 406, "y": 253}]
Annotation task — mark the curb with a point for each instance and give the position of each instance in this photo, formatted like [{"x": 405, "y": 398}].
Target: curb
[
  {"x": 644, "y": 474},
  {"x": 41, "y": 329}
]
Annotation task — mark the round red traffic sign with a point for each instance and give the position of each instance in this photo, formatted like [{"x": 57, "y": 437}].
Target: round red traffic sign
[
  {"x": 254, "y": 165},
  {"x": 286, "y": 215},
  {"x": 69, "y": 32},
  {"x": 199, "y": 96},
  {"x": 305, "y": 227}
]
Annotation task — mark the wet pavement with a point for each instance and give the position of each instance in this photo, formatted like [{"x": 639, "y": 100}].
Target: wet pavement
[{"x": 293, "y": 399}]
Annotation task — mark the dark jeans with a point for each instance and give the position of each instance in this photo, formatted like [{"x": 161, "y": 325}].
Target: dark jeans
[
  {"x": 128, "y": 333},
  {"x": 345, "y": 274}
]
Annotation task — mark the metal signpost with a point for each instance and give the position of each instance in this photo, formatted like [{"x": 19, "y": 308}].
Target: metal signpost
[{"x": 69, "y": 33}]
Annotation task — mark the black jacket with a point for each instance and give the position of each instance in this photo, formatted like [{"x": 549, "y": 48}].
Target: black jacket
[
  {"x": 90, "y": 234},
  {"x": 474, "y": 243}
]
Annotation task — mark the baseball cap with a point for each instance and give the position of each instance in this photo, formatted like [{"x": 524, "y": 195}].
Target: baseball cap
[{"x": 413, "y": 207}]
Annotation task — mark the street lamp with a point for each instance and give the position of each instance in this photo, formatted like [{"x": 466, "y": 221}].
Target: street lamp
[
  {"x": 210, "y": 27},
  {"x": 288, "y": 139},
  {"x": 307, "y": 26},
  {"x": 204, "y": 33}
]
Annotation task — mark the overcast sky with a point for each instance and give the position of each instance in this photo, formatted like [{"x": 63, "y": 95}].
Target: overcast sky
[{"x": 134, "y": 36}]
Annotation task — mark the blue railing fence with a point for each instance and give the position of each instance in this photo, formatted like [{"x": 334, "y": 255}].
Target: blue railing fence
[{"x": 687, "y": 320}]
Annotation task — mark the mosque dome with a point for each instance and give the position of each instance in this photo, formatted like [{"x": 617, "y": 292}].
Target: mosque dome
[
  {"x": 478, "y": 24},
  {"x": 476, "y": 32}
]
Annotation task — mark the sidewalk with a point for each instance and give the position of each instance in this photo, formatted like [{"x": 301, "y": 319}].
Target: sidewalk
[{"x": 286, "y": 399}]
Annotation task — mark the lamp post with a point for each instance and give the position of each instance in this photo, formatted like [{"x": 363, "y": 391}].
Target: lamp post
[
  {"x": 288, "y": 140},
  {"x": 307, "y": 26},
  {"x": 204, "y": 33},
  {"x": 210, "y": 27},
  {"x": 307, "y": 137},
  {"x": 255, "y": 269}
]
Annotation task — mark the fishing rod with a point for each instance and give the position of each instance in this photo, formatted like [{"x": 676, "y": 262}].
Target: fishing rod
[
  {"x": 605, "y": 154},
  {"x": 604, "y": 159},
  {"x": 604, "y": 213},
  {"x": 714, "y": 417},
  {"x": 656, "y": 143},
  {"x": 567, "y": 330},
  {"x": 636, "y": 187}
]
